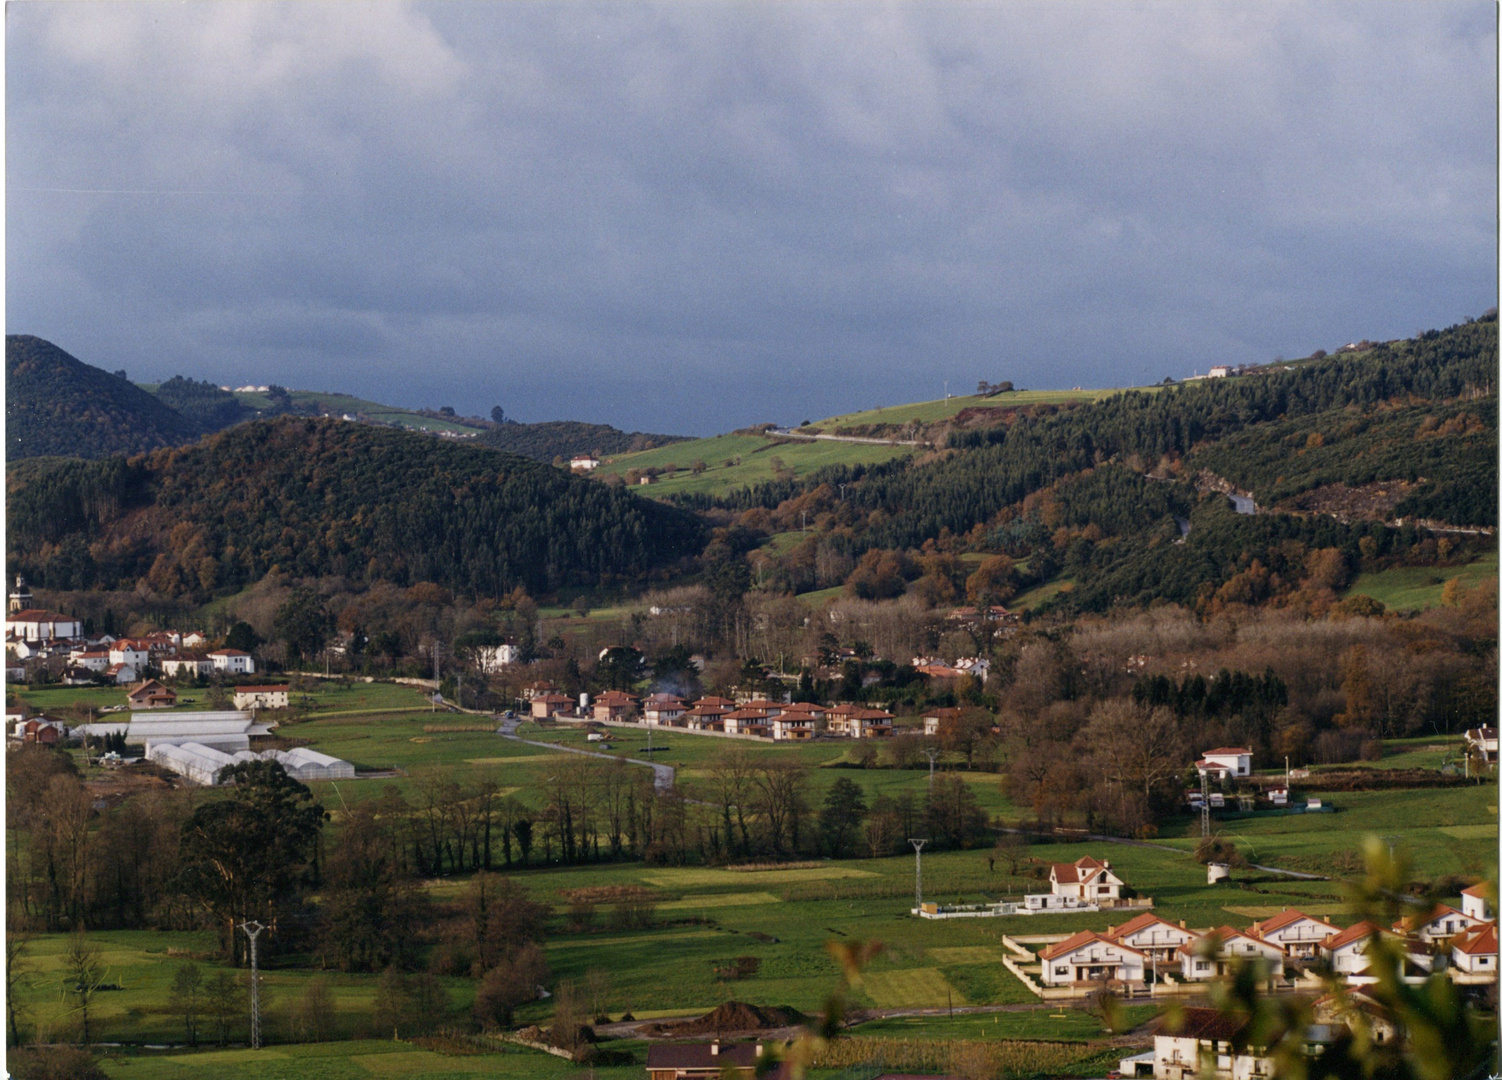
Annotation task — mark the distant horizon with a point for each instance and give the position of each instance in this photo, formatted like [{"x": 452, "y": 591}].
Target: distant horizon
[{"x": 695, "y": 217}]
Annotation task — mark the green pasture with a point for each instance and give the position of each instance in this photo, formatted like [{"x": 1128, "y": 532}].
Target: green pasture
[
  {"x": 1040, "y": 594},
  {"x": 1443, "y": 831},
  {"x": 1043, "y": 1023},
  {"x": 927, "y": 412},
  {"x": 1421, "y": 753},
  {"x": 350, "y": 1060},
  {"x": 750, "y": 458},
  {"x": 1418, "y": 588},
  {"x": 141, "y": 965},
  {"x": 326, "y": 696}
]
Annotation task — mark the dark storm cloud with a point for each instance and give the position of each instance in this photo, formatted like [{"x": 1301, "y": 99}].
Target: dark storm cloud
[{"x": 693, "y": 216}]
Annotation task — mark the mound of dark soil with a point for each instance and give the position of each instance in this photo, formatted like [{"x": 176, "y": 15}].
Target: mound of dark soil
[{"x": 739, "y": 1016}]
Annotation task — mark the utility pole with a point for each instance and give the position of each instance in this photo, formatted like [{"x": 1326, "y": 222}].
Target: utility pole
[
  {"x": 253, "y": 931},
  {"x": 1204, "y": 805},
  {"x": 437, "y": 680},
  {"x": 918, "y": 870},
  {"x": 933, "y": 756}
]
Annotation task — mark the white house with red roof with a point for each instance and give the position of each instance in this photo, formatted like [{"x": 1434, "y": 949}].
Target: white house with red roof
[
  {"x": 1086, "y": 880},
  {"x": 1345, "y": 952},
  {"x": 1202, "y": 960},
  {"x": 1474, "y": 901},
  {"x": 1439, "y": 925},
  {"x": 1156, "y": 938},
  {"x": 1473, "y": 954},
  {"x": 38, "y": 624},
  {"x": 130, "y": 651},
  {"x": 1225, "y": 762},
  {"x": 186, "y": 665},
  {"x": 1091, "y": 957},
  {"x": 233, "y": 662},
  {"x": 89, "y": 659},
  {"x": 1297, "y": 934},
  {"x": 121, "y": 674}
]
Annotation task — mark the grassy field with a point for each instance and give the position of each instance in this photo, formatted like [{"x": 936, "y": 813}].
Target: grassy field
[
  {"x": 734, "y": 461},
  {"x": 322, "y": 697},
  {"x": 1417, "y": 588},
  {"x": 927, "y": 412},
  {"x": 348, "y": 403}
]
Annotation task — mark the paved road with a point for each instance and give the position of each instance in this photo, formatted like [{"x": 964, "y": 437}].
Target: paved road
[
  {"x": 662, "y": 774},
  {"x": 791, "y": 433}
]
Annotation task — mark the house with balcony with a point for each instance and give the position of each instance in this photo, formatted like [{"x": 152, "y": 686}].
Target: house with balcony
[{"x": 1091, "y": 957}]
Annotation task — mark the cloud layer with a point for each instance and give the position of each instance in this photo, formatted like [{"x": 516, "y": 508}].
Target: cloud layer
[{"x": 688, "y": 217}]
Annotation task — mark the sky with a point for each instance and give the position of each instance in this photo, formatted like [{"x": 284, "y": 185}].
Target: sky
[{"x": 693, "y": 216}]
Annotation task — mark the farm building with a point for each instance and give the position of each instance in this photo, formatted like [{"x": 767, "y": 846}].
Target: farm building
[{"x": 204, "y": 764}]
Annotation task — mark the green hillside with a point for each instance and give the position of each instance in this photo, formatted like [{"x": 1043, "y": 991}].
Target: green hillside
[
  {"x": 321, "y": 497},
  {"x": 928, "y": 412},
  {"x": 55, "y": 404},
  {"x": 552, "y": 439},
  {"x": 736, "y": 461}
]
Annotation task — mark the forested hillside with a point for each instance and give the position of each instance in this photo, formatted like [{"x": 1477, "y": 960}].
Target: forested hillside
[
  {"x": 316, "y": 497},
  {"x": 566, "y": 438},
  {"x": 1334, "y": 451},
  {"x": 211, "y": 408},
  {"x": 56, "y": 404}
]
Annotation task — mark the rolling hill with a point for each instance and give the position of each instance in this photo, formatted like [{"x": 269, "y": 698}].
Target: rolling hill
[
  {"x": 55, "y": 404},
  {"x": 326, "y": 497}
]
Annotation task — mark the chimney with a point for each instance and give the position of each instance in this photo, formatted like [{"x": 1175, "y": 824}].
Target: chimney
[
  {"x": 758, "y": 1049},
  {"x": 714, "y": 1048},
  {"x": 1183, "y": 925}
]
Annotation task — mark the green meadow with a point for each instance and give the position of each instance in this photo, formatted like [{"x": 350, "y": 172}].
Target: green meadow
[
  {"x": 1418, "y": 588},
  {"x": 733, "y": 461}
]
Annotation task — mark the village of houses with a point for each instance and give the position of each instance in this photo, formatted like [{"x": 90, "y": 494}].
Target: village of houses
[{"x": 1142, "y": 955}]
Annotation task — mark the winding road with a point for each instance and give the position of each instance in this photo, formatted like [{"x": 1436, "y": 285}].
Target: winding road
[{"x": 662, "y": 775}]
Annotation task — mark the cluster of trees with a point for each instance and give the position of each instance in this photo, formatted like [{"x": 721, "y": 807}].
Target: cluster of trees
[
  {"x": 314, "y": 498},
  {"x": 563, "y": 439},
  {"x": 211, "y": 408}
]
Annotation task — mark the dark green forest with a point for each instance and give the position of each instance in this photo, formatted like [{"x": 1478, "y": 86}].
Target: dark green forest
[
  {"x": 566, "y": 438},
  {"x": 314, "y": 497},
  {"x": 211, "y": 408},
  {"x": 56, "y": 404}
]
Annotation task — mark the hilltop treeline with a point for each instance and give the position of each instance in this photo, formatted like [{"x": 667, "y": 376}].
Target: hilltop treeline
[
  {"x": 567, "y": 438},
  {"x": 56, "y": 404},
  {"x": 313, "y": 498},
  {"x": 1123, "y": 494}
]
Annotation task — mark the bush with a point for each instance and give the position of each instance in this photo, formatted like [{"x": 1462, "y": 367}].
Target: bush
[{"x": 54, "y": 1063}]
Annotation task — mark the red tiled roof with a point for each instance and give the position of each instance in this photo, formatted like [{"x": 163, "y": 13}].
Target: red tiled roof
[
  {"x": 1075, "y": 941},
  {"x": 282, "y": 689},
  {"x": 1364, "y": 929},
  {"x": 1228, "y": 750},
  {"x": 1142, "y": 922},
  {"x": 1415, "y": 922},
  {"x": 39, "y": 615},
  {"x": 615, "y": 697},
  {"x": 1477, "y": 940},
  {"x": 228, "y": 652},
  {"x": 1287, "y": 918},
  {"x": 1481, "y": 890},
  {"x": 1200, "y": 1023}
]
